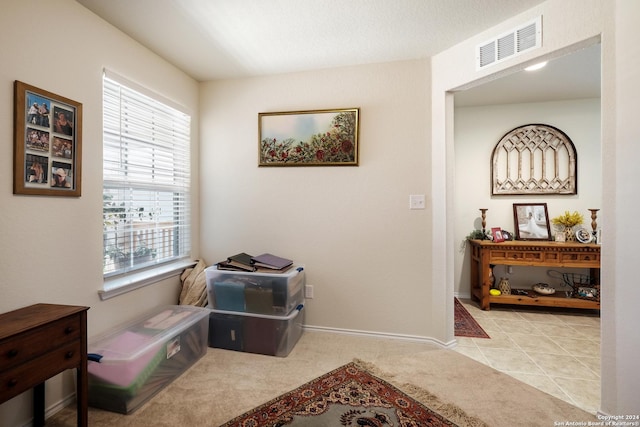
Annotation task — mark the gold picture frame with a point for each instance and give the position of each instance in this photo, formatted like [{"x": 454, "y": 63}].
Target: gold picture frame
[
  {"x": 309, "y": 138},
  {"x": 47, "y": 143}
]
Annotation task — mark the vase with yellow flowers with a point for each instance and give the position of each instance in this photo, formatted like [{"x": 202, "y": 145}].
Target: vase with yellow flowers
[{"x": 567, "y": 221}]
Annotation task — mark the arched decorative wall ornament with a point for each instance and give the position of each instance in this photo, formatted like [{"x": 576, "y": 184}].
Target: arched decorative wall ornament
[{"x": 534, "y": 159}]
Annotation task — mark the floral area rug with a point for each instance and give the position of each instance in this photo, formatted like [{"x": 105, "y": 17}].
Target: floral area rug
[
  {"x": 465, "y": 324},
  {"x": 352, "y": 396}
]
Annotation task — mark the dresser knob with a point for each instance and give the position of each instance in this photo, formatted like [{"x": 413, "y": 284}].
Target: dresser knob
[
  {"x": 69, "y": 355},
  {"x": 12, "y": 353},
  {"x": 13, "y": 382},
  {"x": 68, "y": 330}
]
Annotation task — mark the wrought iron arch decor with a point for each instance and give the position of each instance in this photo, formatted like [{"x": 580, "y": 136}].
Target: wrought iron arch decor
[{"x": 534, "y": 159}]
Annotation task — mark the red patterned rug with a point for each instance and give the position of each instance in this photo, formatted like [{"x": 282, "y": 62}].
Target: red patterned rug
[
  {"x": 352, "y": 396},
  {"x": 465, "y": 324}
]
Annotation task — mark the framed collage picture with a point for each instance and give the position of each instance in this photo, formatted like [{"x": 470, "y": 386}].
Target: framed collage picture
[{"x": 47, "y": 143}]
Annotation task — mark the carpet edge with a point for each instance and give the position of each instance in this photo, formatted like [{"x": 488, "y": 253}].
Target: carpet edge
[{"x": 447, "y": 410}]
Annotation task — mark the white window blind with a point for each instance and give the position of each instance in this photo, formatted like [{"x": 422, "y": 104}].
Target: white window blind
[{"x": 146, "y": 179}]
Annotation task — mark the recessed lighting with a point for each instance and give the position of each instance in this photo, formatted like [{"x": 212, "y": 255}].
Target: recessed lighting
[{"x": 536, "y": 66}]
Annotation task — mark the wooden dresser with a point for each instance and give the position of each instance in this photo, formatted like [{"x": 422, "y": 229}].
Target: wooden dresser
[
  {"x": 38, "y": 342},
  {"x": 485, "y": 253}
]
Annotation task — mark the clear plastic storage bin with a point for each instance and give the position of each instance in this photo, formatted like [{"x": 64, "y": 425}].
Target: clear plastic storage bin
[
  {"x": 140, "y": 358},
  {"x": 255, "y": 292},
  {"x": 256, "y": 333}
]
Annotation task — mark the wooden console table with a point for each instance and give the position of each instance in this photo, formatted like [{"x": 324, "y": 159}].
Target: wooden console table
[
  {"x": 38, "y": 342},
  {"x": 531, "y": 253}
]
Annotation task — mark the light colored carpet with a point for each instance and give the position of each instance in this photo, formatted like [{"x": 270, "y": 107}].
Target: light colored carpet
[{"x": 224, "y": 384}]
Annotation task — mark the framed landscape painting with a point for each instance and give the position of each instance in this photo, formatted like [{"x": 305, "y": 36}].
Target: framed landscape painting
[
  {"x": 47, "y": 143},
  {"x": 309, "y": 138}
]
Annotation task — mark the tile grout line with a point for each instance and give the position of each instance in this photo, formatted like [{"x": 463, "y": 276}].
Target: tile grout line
[
  {"x": 560, "y": 322},
  {"x": 568, "y": 398},
  {"x": 569, "y": 353}
]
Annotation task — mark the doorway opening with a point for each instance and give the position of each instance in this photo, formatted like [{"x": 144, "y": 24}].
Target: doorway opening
[{"x": 532, "y": 345}]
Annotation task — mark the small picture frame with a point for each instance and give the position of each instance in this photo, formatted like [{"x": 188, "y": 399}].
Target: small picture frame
[
  {"x": 496, "y": 232},
  {"x": 47, "y": 143},
  {"x": 531, "y": 221},
  {"x": 584, "y": 236}
]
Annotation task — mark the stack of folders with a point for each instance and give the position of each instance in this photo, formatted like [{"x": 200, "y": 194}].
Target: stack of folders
[{"x": 266, "y": 263}]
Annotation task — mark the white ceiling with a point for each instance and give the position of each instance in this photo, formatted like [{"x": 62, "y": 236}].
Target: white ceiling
[
  {"x": 221, "y": 39},
  {"x": 573, "y": 76}
]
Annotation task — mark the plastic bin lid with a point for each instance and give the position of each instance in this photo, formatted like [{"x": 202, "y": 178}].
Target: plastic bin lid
[
  {"x": 147, "y": 332},
  {"x": 209, "y": 271},
  {"x": 290, "y": 316}
]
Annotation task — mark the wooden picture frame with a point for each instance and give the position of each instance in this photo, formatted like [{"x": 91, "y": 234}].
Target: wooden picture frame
[
  {"x": 47, "y": 143},
  {"x": 531, "y": 221},
  {"x": 309, "y": 138}
]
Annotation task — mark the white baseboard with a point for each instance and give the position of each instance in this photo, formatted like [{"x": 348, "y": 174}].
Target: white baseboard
[
  {"x": 55, "y": 408},
  {"x": 402, "y": 337}
]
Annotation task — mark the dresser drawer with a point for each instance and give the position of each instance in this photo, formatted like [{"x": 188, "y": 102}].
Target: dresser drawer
[
  {"x": 521, "y": 257},
  {"x": 588, "y": 259},
  {"x": 31, "y": 374},
  {"x": 21, "y": 348}
]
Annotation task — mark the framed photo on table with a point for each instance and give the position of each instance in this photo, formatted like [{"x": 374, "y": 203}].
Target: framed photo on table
[
  {"x": 531, "y": 221},
  {"x": 47, "y": 143},
  {"x": 497, "y": 234},
  {"x": 584, "y": 236}
]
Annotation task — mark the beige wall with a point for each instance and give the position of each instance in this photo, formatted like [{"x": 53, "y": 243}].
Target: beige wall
[
  {"x": 365, "y": 252},
  {"x": 51, "y": 248},
  {"x": 376, "y": 266},
  {"x": 621, "y": 151}
]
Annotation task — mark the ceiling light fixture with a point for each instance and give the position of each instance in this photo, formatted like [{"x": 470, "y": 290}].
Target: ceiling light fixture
[{"x": 536, "y": 66}]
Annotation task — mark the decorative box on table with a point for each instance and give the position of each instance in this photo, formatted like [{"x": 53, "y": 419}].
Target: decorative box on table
[
  {"x": 256, "y": 292},
  {"x": 256, "y": 333},
  {"x": 138, "y": 359}
]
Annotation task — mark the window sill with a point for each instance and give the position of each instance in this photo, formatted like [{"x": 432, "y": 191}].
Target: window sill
[{"x": 116, "y": 286}]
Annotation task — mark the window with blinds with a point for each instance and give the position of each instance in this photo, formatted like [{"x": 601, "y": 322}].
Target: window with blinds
[{"x": 146, "y": 179}]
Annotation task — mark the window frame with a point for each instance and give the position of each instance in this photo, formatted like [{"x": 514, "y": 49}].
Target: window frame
[{"x": 125, "y": 280}]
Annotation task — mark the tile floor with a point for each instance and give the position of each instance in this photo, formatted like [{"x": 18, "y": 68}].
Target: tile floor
[{"x": 554, "y": 350}]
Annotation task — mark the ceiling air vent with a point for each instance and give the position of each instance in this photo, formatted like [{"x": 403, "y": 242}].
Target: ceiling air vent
[
  {"x": 506, "y": 46},
  {"x": 487, "y": 54},
  {"x": 528, "y": 36}
]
